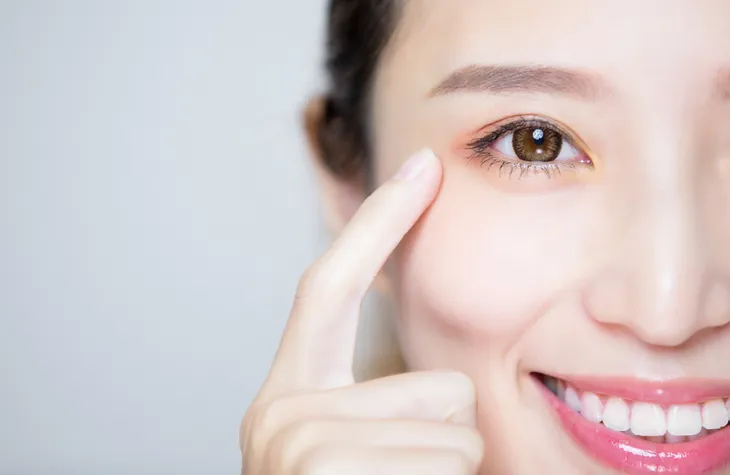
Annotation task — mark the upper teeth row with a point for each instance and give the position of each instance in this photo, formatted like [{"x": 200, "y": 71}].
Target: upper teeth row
[{"x": 647, "y": 419}]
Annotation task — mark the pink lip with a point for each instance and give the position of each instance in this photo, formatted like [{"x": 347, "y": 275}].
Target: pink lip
[
  {"x": 640, "y": 457},
  {"x": 688, "y": 391}
]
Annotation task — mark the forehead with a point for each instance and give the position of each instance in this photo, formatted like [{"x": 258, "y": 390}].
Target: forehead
[{"x": 634, "y": 43}]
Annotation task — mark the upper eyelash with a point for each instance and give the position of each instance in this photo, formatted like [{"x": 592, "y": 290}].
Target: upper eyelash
[
  {"x": 480, "y": 148},
  {"x": 481, "y": 143}
]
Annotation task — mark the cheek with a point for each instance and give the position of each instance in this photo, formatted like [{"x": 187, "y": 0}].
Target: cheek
[{"x": 484, "y": 265}]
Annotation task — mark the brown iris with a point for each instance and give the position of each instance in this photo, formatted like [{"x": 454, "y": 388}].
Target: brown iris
[{"x": 537, "y": 144}]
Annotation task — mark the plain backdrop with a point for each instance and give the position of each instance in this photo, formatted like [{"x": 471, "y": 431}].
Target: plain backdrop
[{"x": 156, "y": 209}]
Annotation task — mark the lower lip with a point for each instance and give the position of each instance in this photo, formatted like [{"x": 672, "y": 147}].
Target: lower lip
[{"x": 638, "y": 456}]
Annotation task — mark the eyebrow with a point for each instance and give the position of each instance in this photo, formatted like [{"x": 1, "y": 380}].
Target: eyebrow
[{"x": 523, "y": 79}]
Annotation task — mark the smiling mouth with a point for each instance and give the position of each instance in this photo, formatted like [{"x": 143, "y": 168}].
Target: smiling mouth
[
  {"x": 641, "y": 427},
  {"x": 659, "y": 423}
]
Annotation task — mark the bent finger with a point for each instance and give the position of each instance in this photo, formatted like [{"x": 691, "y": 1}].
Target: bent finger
[
  {"x": 437, "y": 396},
  {"x": 291, "y": 445},
  {"x": 318, "y": 344}
]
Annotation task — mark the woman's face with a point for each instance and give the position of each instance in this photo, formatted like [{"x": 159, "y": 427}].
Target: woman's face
[{"x": 583, "y": 227}]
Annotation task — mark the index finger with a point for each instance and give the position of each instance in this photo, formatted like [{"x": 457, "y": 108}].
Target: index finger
[{"x": 319, "y": 341}]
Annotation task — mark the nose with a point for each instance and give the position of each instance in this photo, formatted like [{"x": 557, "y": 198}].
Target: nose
[
  {"x": 664, "y": 280},
  {"x": 663, "y": 298}
]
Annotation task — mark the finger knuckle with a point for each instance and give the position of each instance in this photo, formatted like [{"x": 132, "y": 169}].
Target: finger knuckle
[
  {"x": 269, "y": 416},
  {"x": 461, "y": 381},
  {"x": 307, "y": 279},
  {"x": 320, "y": 280},
  {"x": 260, "y": 427},
  {"x": 459, "y": 385},
  {"x": 318, "y": 461},
  {"x": 289, "y": 442},
  {"x": 297, "y": 433},
  {"x": 262, "y": 422}
]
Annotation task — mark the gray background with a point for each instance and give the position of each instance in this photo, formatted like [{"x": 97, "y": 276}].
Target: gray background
[{"x": 156, "y": 208}]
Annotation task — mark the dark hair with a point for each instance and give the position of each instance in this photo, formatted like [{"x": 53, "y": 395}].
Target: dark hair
[{"x": 357, "y": 33}]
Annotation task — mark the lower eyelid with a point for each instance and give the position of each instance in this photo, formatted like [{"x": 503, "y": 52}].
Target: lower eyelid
[{"x": 512, "y": 169}]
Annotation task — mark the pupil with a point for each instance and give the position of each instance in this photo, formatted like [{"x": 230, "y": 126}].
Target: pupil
[{"x": 538, "y": 136}]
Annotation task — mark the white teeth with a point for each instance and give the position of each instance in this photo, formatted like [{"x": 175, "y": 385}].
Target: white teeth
[
  {"x": 679, "y": 424},
  {"x": 572, "y": 399},
  {"x": 616, "y": 415},
  {"x": 648, "y": 420},
  {"x": 592, "y": 407},
  {"x": 714, "y": 415},
  {"x": 685, "y": 420}
]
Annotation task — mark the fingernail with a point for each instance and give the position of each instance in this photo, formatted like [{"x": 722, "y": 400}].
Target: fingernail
[{"x": 415, "y": 165}]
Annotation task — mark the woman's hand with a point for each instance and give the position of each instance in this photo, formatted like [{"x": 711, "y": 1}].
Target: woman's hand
[{"x": 310, "y": 417}]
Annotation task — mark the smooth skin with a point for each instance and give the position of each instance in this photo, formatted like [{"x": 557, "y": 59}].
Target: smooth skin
[
  {"x": 617, "y": 272},
  {"x": 311, "y": 417}
]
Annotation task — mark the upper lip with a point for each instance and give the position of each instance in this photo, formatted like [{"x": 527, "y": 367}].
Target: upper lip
[{"x": 670, "y": 392}]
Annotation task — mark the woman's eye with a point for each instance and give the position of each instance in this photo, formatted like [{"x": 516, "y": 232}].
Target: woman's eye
[
  {"x": 535, "y": 144},
  {"x": 530, "y": 147}
]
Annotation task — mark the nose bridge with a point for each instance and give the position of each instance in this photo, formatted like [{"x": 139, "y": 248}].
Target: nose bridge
[
  {"x": 667, "y": 268},
  {"x": 658, "y": 284}
]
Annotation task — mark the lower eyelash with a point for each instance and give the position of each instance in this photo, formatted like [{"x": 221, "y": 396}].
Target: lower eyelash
[{"x": 518, "y": 169}]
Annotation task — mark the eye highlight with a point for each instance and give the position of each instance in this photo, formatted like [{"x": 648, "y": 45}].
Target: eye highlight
[{"x": 527, "y": 145}]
